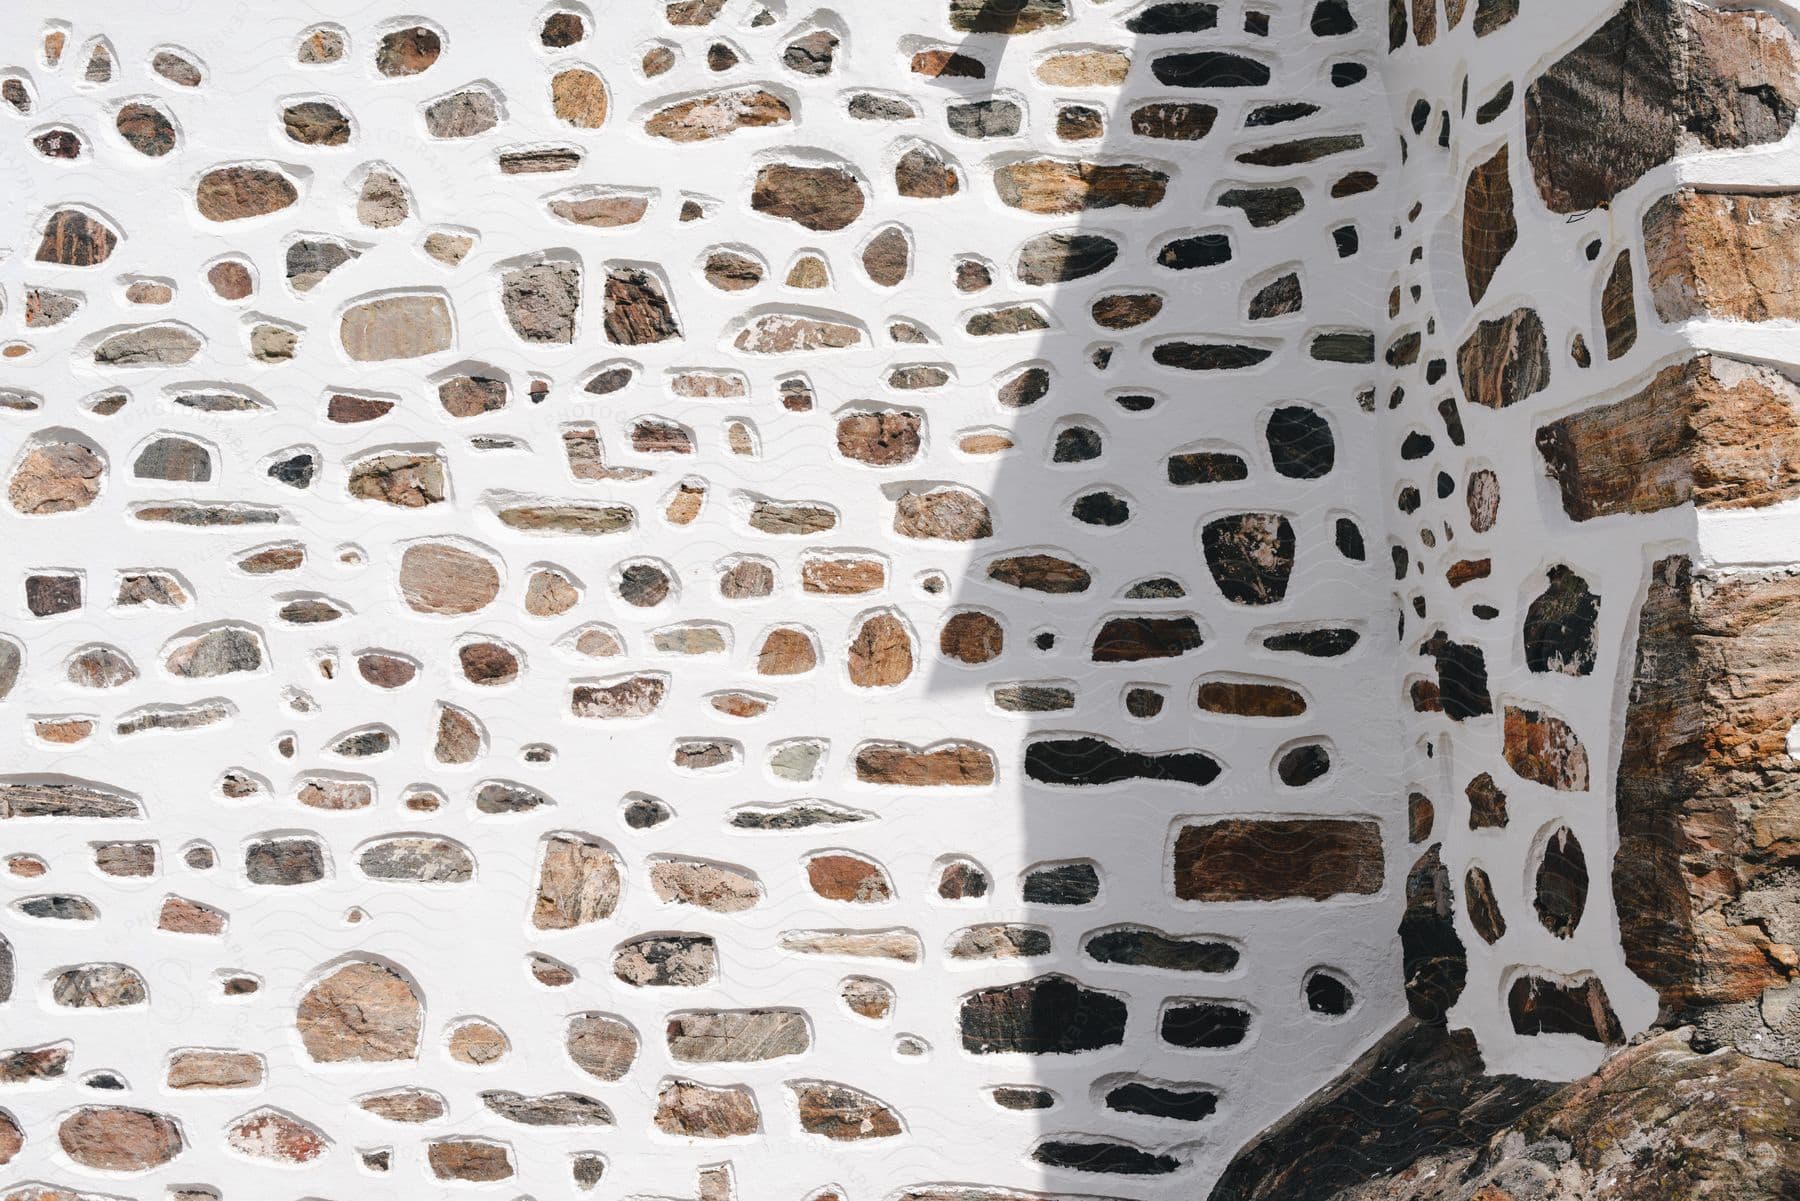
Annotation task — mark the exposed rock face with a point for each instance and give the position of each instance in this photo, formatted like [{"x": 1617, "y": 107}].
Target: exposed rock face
[
  {"x": 541, "y": 300},
  {"x": 718, "y": 114},
  {"x": 362, "y": 1012},
  {"x": 1728, "y": 255},
  {"x": 1505, "y": 360},
  {"x": 602, "y": 1046},
  {"x": 1660, "y": 78},
  {"x": 396, "y": 327},
  {"x": 442, "y": 578},
  {"x": 842, "y": 1113},
  {"x": 737, "y": 1035}
]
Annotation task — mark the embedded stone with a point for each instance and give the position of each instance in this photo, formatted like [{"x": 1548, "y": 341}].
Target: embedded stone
[
  {"x": 718, "y": 114},
  {"x": 959, "y": 765},
  {"x": 667, "y": 961},
  {"x": 1048, "y": 1015},
  {"x": 901, "y": 946},
  {"x": 201, "y": 1068},
  {"x": 1250, "y": 556},
  {"x": 237, "y": 193},
  {"x": 462, "y": 114},
  {"x": 437, "y": 577},
  {"x": 1061, "y": 186},
  {"x": 541, "y": 301},
  {"x": 417, "y": 859},
  {"x": 217, "y": 652},
  {"x": 1489, "y": 227},
  {"x": 99, "y": 986},
  {"x": 409, "y": 481},
  {"x": 951, "y": 514},
  {"x": 552, "y": 1109},
  {"x": 149, "y": 346},
  {"x": 880, "y": 653},
  {"x": 1544, "y": 748},
  {"x": 363, "y": 1012},
  {"x": 115, "y": 1138},
  {"x": 688, "y": 1109},
  {"x": 396, "y": 327},
  {"x": 74, "y": 239},
  {"x": 1505, "y": 360},
  {"x": 841, "y": 1113},
  {"x": 737, "y": 1035},
  {"x": 408, "y": 51},
  {"x": 1058, "y": 258},
  {"x": 637, "y": 310},
  {"x": 604, "y": 1047},
  {"x": 923, "y": 174},
  {"x": 1244, "y": 859},
  {"x": 475, "y": 1161},
  {"x": 578, "y": 97},
  {"x": 578, "y": 883},
  {"x": 712, "y": 886},
  {"x": 816, "y": 198},
  {"x": 55, "y": 477}
]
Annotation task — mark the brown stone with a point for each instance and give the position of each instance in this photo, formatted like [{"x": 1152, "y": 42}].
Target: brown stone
[
  {"x": 851, "y": 878},
  {"x": 114, "y": 1138},
  {"x": 842, "y": 577},
  {"x": 604, "y": 1047},
  {"x": 1239, "y": 698},
  {"x": 362, "y": 1012},
  {"x": 473, "y": 1160},
  {"x": 880, "y": 439},
  {"x": 1505, "y": 360},
  {"x": 793, "y": 333},
  {"x": 947, "y": 64},
  {"x": 436, "y": 577},
  {"x": 1706, "y": 794},
  {"x": 1015, "y": 16},
  {"x": 202, "y": 1068},
  {"x": 477, "y": 1043},
  {"x": 816, "y": 198},
  {"x": 1062, "y": 186},
  {"x": 971, "y": 637},
  {"x": 637, "y": 310},
  {"x": 1102, "y": 68},
  {"x": 407, "y": 51},
  {"x": 957, "y": 764},
  {"x": 149, "y": 346},
  {"x": 923, "y": 174},
  {"x": 952, "y": 514},
  {"x": 578, "y": 883},
  {"x": 488, "y": 663},
  {"x": 1618, "y": 308},
  {"x": 1717, "y": 431},
  {"x": 881, "y": 652},
  {"x": 235, "y": 193},
  {"x": 1728, "y": 255},
  {"x": 786, "y": 652},
  {"x": 72, "y": 238},
  {"x": 1544, "y": 748},
  {"x": 315, "y": 123},
  {"x": 578, "y": 97},
  {"x": 841, "y": 1113},
  {"x": 1040, "y": 573},
  {"x": 689, "y": 1109},
  {"x": 459, "y": 736},
  {"x": 1658, "y": 79},
  {"x": 634, "y": 696},
  {"x": 1489, "y": 228},
  {"x": 410, "y": 1105},
  {"x": 717, "y": 114},
  {"x": 179, "y": 915},
  {"x": 56, "y": 477},
  {"x": 1245, "y": 859}
]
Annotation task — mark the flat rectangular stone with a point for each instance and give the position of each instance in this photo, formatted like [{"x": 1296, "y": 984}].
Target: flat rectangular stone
[
  {"x": 1250, "y": 859},
  {"x": 1732, "y": 256}
]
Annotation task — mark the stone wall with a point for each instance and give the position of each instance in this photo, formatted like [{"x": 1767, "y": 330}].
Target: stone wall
[{"x": 952, "y": 601}]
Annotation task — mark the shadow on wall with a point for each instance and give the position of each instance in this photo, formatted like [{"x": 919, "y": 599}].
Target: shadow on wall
[{"x": 1169, "y": 628}]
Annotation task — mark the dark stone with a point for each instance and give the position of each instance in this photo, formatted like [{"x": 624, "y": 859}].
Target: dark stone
[
  {"x": 1141, "y": 946},
  {"x": 1540, "y": 1006},
  {"x": 1117, "y": 1159},
  {"x": 1462, "y": 678},
  {"x": 1206, "y": 467},
  {"x": 1300, "y": 442},
  {"x": 1133, "y": 639},
  {"x": 1209, "y": 69},
  {"x": 1250, "y": 556},
  {"x": 1173, "y": 120},
  {"x": 1204, "y": 1024},
  {"x": 1277, "y": 298},
  {"x": 1048, "y": 1015},
  {"x": 1422, "y": 1090},
  {"x": 1560, "y": 625},
  {"x": 1061, "y": 884},
  {"x": 1201, "y": 250},
  {"x": 1327, "y": 994},
  {"x": 1254, "y": 859},
  {"x": 1323, "y": 643},
  {"x": 1562, "y": 884},
  {"x": 1432, "y": 956},
  {"x": 1264, "y": 207},
  {"x": 1301, "y": 765},
  {"x": 1093, "y": 761},
  {"x": 1208, "y": 356},
  {"x": 1162, "y": 1101},
  {"x": 1177, "y": 16}
]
